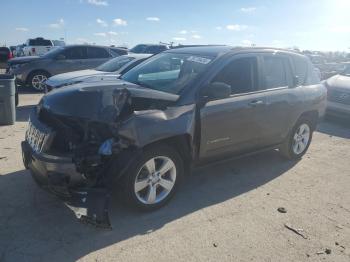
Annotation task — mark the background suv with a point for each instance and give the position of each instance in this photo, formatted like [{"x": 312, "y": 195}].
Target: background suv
[{"x": 35, "y": 70}]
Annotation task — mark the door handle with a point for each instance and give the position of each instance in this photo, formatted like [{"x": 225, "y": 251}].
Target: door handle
[{"x": 256, "y": 103}]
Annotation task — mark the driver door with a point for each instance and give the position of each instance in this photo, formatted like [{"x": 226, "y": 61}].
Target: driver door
[{"x": 234, "y": 124}]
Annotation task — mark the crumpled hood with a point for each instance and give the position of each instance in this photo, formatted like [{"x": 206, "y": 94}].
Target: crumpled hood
[
  {"x": 72, "y": 77},
  {"x": 23, "y": 60},
  {"x": 339, "y": 81},
  {"x": 97, "y": 100}
]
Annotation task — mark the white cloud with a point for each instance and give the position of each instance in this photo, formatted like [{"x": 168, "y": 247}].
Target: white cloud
[
  {"x": 112, "y": 33},
  {"x": 120, "y": 22},
  {"x": 183, "y": 32},
  {"x": 195, "y": 36},
  {"x": 22, "y": 29},
  {"x": 248, "y": 9},
  {"x": 236, "y": 27},
  {"x": 59, "y": 24},
  {"x": 218, "y": 28},
  {"x": 153, "y": 19},
  {"x": 180, "y": 39},
  {"x": 101, "y": 22},
  {"x": 100, "y": 34},
  {"x": 246, "y": 42},
  {"x": 98, "y": 2}
]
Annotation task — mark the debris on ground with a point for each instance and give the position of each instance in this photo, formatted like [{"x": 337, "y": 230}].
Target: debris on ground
[
  {"x": 215, "y": 245},
  {"x": 326, "y": 251},
  {"x": 2, "y": 157},
  {"x": 336, "y": 243},
  {"x": 282, "y": 210},
  {"x": 297, "y": 231}
]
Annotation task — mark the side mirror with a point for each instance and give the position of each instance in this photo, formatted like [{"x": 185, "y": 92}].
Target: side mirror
[
  {"x": 60, "y": 57},
  {"x": 217, "y": 90}
]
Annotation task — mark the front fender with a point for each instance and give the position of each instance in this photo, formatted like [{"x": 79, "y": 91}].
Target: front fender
[{"x": 149, "y": 126}]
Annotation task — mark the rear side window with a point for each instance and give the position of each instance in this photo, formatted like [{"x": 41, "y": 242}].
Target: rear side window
[
  {"x": 96, "y": 52},
  {"x": 240, "y": 74},
  {"x": 275, "y": 72},
  {"x": 39, "y": 42},
  {"x": 300, "y": 69},
  {"x": 75, "y": 53},
  {"x": 313, "y": 77}
]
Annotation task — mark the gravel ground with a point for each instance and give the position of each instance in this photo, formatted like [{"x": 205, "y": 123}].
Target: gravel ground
[{"x": 226, "y": 212}]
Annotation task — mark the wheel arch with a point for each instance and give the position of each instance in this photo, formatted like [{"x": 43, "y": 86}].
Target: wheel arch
[
  {"x": 311, "y": 115},
  {"x": 181, "y": 143}
]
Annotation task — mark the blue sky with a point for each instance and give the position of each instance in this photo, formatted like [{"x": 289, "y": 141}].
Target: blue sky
[{"x": 308, "y": 24}]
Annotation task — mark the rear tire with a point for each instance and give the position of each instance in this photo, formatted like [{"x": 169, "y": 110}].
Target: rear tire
[
  {"x": 153, "y": 180},
  {"x": 298, "y": 140}
]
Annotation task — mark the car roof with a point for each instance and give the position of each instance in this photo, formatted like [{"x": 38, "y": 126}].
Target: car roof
[{"x": 218, "y": 50}]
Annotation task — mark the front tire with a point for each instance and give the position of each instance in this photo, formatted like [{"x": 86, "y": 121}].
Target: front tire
[
  {"x": 153, "y": 179},
  {"x": 37, "y": 80},
  {"x": 298, "y": 140}
]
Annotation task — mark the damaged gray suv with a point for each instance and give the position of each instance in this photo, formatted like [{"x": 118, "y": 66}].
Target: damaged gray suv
[{"x": 180, "y": 109}]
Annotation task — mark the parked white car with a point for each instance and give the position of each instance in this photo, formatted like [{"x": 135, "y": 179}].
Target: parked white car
[{"x": 37, "y": 46}]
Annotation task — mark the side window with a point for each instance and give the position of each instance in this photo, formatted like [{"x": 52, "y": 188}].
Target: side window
[
  {"x": 240, "y": 74},
  {"x": 75, "y": 53},
  {"x": 301, "y": 69},
  {"x": 313, "y": 76},
  {"x": 275, "y": 72},
  {"x": 96, "y": 52}
]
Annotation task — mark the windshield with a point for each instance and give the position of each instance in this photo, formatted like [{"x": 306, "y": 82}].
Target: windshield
[
  {"x": 168, "y": 72},
  {"x": 346, "y": 71},
  {"x": 115, "y": 64},
  {"x": 53, "y": 53}
]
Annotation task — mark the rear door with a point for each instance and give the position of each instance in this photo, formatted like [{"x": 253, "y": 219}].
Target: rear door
[
  {"x": 235, "y": 124},
  {"x": 283, "y": 97},
  {"x": 73, "y": 59},
  {"x": 96, "y": 56}
]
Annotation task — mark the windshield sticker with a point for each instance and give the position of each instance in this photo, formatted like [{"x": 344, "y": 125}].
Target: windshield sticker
[{"x": 197, "y": 59}]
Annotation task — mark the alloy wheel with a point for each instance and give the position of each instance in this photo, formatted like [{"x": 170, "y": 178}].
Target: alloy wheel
[
  {"x": 301, "y": 139},
  {"x": 38, "y": 82},
  {"x": 155, "y": 180}
]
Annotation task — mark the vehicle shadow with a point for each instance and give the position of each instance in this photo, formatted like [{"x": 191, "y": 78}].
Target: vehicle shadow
[
  {"x": 23, "y": 112},
  {"x": 36, "y": 225},
  {"x": 333, "y": 126}
]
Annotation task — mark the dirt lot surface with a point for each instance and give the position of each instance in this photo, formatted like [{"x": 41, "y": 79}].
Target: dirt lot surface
[{"x": 226, "y": 212}]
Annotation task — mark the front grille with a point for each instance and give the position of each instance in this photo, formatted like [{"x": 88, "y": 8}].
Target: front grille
[{"x": 342, "y": 97}]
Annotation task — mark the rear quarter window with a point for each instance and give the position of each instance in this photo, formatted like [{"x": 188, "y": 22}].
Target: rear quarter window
[{"x": 305, "y": 71}]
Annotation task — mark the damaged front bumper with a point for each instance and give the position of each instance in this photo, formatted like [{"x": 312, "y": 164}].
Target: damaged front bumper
[{"x": 58, "y": 175}]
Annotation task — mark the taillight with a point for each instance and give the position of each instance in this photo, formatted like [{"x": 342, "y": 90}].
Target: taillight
[
  {"x": 33, "y": 49},
  {"x": 10, "y": 55}
]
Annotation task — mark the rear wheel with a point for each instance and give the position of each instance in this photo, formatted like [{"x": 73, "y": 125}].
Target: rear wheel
[
  {"x": 298, "y": 140},
  {"x": 37, "y": 80},
  {"x": 154, "y": 179}
]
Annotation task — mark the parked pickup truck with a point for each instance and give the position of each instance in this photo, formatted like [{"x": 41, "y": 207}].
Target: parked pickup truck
[
  {"x": 37, "y": 46},
  {"x": 178, "y": 110}
]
